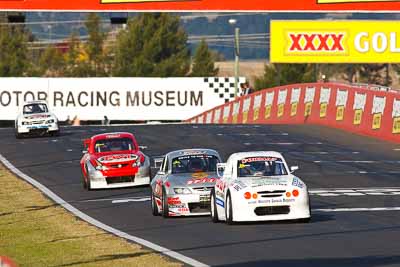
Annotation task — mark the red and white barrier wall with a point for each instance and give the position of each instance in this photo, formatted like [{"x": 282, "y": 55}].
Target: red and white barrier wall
[{"x": 358, "y": 110}]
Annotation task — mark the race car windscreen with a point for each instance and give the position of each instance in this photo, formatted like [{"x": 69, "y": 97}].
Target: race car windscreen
[
  {"x": 114, "y": 144},
  {"x": 35, "y": 108},
  {"x": 195, "y": 163},
  {"x": 260, "y": 167}
]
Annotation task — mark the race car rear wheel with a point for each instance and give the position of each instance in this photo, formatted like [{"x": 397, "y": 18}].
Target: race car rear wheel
[
  {"x": 55, "y": 133},
  {"x": 84, "y": 183},
  {"x": 214, "y": 212},
  {"x": 228, "y": 210},
  {"x": 165, "y": 208},
  {"x": 154, "y": 207}
]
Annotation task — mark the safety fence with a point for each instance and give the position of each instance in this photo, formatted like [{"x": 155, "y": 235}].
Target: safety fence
[{"x": 354, "y": 109}]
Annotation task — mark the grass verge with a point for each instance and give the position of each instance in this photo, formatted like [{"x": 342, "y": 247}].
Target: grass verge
[{"x": 36, "y": 232}]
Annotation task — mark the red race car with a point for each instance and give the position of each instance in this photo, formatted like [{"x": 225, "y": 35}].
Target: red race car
[{"x": 113, "y": 160}]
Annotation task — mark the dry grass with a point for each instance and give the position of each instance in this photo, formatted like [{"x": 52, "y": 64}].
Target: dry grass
[{"x": 35, "y": 232}]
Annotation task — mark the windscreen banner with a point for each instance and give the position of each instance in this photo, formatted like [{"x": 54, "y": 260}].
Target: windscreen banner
[
  {"x": 201, "y": 5},
  {"x": 140, "y": 99}
]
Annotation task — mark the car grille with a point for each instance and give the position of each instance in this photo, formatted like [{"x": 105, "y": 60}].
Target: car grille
[
  {"x": 38, "y": 122},
  {"x": 117, "y": 166},
  {"x": 274, "y": 193},
  {"x": 271, "y": 210},
  {"x": 120, "y": 179},
  {"x": 203, "y": 189},
  {"x": 200, "y": 207}
]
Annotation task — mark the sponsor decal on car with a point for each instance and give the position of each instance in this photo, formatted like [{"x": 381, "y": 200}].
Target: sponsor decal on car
[
  {"x": 220, "y": 202},
  {"x": 253, "y": 159},
  {"x": 268, "y": 182},
  {"x": 117, "y": 158},
  {"x": 174, "y": 201},
  {"x": 177, "y": 206},
  {"x": 296, "y": 182},
  {"x": 199, "y": 175},
  {"x": 202, "y": 181}
]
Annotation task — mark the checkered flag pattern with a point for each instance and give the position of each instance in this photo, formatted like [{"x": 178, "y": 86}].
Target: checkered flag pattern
[{"x": 224, "y": 86}]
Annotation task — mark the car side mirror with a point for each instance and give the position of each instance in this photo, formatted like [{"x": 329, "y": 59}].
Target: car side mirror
[
  {"x": 221, "y": 169},
  {"x": 158, "y": 162},
  {"x": 294, "y": 168}
]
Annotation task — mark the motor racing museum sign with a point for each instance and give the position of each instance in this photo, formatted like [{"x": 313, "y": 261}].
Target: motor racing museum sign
[
  {"x": 335, "y": 41},
  {"x": 117, "y": 98}
]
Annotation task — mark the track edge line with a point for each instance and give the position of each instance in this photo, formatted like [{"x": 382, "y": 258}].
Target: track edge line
[{"x": 98, "y": 224}]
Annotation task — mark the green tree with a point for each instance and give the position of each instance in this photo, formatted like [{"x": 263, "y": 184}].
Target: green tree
[
  {"x": 51, "y": 63},
  {"x": 203, "y": 62},
  {"x": 283, "y": 74},
  {"x": 75, "y": 59},
  {"x": 153, "y": 45},
  {"x": 95, "y": 46},
  {"x": 14, "y": 53}
]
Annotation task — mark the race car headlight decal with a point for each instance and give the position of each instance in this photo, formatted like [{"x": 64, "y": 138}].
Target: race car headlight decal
[
  {"x": 26, "y": 123},
  {"x": 50, "y": 121},
  {"x": 295, "y": 193},
  {"x": 182, "y": 190},
  {"x": 247, "y": 195}
]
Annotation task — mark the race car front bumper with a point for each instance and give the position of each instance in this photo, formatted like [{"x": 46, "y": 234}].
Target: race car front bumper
[
  {"x": 98, "y": 180},
  {"x": 45, "y": 127},
  {"x": 189, "y": 204},
  {"x": 275, "y": 210}
]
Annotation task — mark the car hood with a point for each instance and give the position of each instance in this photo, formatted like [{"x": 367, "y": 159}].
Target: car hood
[
  {"x": 268, "y": 181},
  {"x": 204, "y": 179},
  {"x": 115, "y": 158}
]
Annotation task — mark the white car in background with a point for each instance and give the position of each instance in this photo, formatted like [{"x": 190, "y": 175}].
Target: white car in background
[
  {"x": 35, "y": 118},
  {"x": 258, "y": 186}
]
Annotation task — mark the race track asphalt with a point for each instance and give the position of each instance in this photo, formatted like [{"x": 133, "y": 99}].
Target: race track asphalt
[{"x": 343, "y": 172}]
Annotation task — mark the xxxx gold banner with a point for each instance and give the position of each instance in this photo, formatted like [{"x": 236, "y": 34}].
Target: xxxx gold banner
[{"x": 335, "y": 41}]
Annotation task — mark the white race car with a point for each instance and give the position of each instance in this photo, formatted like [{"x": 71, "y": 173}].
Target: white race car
[
  {"x": 258, "y": 186},
  {"x": 35, "y": 117}
]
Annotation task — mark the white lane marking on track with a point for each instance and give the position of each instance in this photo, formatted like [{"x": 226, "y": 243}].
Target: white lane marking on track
[
  {"x": 355, "y": 192},
  {"x": 283, "y": 143},
  {"x": 323, "y": 152},
  {"x": 69, "y": 150},
  {"x": 131, "y": 200},
  {"x": 358, "y": 209},
  {"x": 115, "y": 199},
  {"x": 87, "y": 218},
  {"x": 358, "y": 161}
]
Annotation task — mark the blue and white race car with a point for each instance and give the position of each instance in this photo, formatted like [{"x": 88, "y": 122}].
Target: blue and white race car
[{"x": 258, "y": 186}]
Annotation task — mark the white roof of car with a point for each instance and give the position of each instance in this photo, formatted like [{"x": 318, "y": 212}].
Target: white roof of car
[
  {"x": 35, "y": 102},
  {"x": 241, "y": 155}
]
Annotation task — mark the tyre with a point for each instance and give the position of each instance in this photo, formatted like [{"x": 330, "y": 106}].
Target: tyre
[
  {"x": 305, "y": 220},
  {"x": 154, "y": 207},
  {"x": 84, "y": 183},
  {"x": 228, "y": 210},
  {"x": 55, "y": 133},
  {"x": 214, "y": 212},
  {"x": 165, "y": 209}
]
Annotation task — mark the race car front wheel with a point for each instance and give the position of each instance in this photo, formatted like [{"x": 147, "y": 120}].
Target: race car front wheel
[
  {"x": 165, "y": 208},
  {"x": 214, "y": 212},
  {"x": 228, "y": 210},
  {"x": 154, "y": 207}
]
